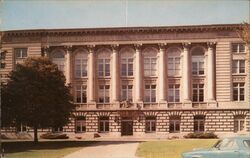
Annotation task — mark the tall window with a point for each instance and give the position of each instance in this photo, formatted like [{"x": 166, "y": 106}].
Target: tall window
[
  {"x": 149, "y": 66},
  {"x": 103, "y": 67},
  {"x": 127, "y": 67},
  {"x": 238, "y": 48},
  {"x": 150, "y": 124},
  {"x": 103, "y": 124},
  {"x": 174, "y": 124},
  {"x": 198, "y": 65},
  {"x": 103, "y": 94},
  {"x": 239, "y": 123},
  {"x": 238, "y": 91},
  {"x": 80, "y": 124},
  {"x": 20, "y": 53},
  {"x": 59, "y": 59},
  {"x": 81, "y": 65},
  {"x": 81, "y": 94},
  {"x": 238, "y": 66},
  {"x": 174, "y": 93},
  {"x": 150, "y": 93},
  {"x": 198, "y": 92},
  {"x": 199, "y": 123},
  {"x": 174, "y": 66},
  {"x": 127, "y": 92}
]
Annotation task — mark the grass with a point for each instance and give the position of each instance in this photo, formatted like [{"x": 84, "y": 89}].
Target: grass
[
  {"x": 171, "y": 148},
  {"x": 48, "y": 149}
]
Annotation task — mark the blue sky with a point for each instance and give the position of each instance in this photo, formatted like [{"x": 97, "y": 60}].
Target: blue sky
[{"x": 47, "y": 14}]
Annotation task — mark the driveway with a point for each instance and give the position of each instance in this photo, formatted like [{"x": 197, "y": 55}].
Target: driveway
[{"x": 116, "y": 149}]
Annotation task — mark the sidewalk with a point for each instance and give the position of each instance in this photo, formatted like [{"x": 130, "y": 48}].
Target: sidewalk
[{"x": 107, "y": 150}]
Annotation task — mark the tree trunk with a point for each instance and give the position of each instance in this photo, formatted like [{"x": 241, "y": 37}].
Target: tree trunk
[{"x": 35, "y": 135}]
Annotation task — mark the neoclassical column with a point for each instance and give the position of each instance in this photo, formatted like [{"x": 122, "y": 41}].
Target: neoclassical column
[
  {"x": 186, "y": 72},
  {"x": 211, "y": 72},
  {"x": 45, "y": 51},
  {"x": 91, "y": 74},
  {"x": 162, "y": 73},
  {"x": 138, "y": 73},
  {"x": 115, "y": 74},
  {"x": 68, "y": 64}
]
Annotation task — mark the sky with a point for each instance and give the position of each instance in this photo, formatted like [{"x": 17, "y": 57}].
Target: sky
[{"x": 51, "y": 14}]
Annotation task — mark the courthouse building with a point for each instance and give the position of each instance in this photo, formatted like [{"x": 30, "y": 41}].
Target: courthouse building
[{"x": 145, "y": 81}]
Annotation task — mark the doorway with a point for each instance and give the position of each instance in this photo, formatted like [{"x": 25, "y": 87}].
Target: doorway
[{"x": 126, "y": 127}]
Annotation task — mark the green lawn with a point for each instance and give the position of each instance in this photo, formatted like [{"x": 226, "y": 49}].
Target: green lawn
[
  {"x": 48, "y": 149},
  {"x": 171, "y": 148}
]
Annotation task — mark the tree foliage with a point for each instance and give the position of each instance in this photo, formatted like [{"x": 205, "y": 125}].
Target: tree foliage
[
  {"x": 36, "y": 96},
  {"x": 244, "y": 33}
]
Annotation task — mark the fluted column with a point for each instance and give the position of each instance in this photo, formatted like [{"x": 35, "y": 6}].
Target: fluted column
[
  {"x": 211, "y": 73},
  {"x": 138, "y": 74},
  {"x": 115, "y": 74},
  {"x": 68, "y": 64},
  {"x": 186, "y": 72},
  {"x": 91, "y": 74},
  {"x": 162, "y": 73}
]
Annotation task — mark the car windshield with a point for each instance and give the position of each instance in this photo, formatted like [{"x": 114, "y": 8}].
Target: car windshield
[
  {"x": 246, "y": 143},
  {"x": 226, "y": 143}
]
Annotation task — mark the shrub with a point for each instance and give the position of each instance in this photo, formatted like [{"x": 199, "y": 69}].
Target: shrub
[
  {"x": 208, "y": 135},
  {"x": 54, "y": 136}
]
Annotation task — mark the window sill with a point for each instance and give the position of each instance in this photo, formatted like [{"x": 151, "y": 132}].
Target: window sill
[{"x": 239, "y": 74}]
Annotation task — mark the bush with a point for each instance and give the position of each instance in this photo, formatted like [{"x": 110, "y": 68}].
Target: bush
[
  {"x": 54, "y": 136},
  {"x": 208, "y": 135}
]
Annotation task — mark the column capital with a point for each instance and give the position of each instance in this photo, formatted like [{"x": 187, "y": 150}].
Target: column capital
[
  {"x": 115, "y": 47},
  {"x": 211, "y": 44},
  {"x": 138, "y": 46},
  {"x": 90, "y": 48},
  {"x": 162, "y": 46},
  {"x": 68, "y": 48},
  {"x": 186, "y": 45}
]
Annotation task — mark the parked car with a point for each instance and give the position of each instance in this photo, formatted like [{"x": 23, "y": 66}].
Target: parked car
[{"x": 234, "y": 147}]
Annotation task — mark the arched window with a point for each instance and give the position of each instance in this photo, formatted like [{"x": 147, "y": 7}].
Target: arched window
[
  {"x": 81, "y": 62},
  {"x": 198, "y": 59},
  {"x": 127, "y": 62},
  {"x": 174, "y": 66},
  {"x": 58, "y": 57},
  {"x": 150, "y": 62},
  {"x": 104, "y": 63}
]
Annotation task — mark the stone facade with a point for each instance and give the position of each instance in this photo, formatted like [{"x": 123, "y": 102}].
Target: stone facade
[{"x": 176, "y": 80}]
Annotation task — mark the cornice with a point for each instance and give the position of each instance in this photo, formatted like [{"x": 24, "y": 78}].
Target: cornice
[{"x": 122, "y": 30}]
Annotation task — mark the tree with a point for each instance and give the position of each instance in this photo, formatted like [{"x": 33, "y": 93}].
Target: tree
[{"x": 36, "y": 96}]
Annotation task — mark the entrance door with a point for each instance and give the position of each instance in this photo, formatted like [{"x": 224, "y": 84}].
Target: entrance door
[{"x": 126, "y": 127}]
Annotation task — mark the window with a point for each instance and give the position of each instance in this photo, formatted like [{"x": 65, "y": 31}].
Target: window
[
  {"x": 127, "y": 67},
  {"x": 150, "y": 124},
  {"x": 174, "y": 124},
  {"x": 239, "y": 123},
  {"x": 150, "y": 93},
  {"x": 238, "y": 66},
  {"x": 21, "y": 128},
  {"x": 173, "y": 92},
  {"x": 199, "y": 123},
  {"x": 57, "y": 129},
  {"x": 198, "y": 92},
  {"x": 81, "y": 94},
  {"x": 80, "y": 124},
  {"x": 238, "y": 48},
  {"x": 127, "y": 92},
  {"x": 80, "y": 65},
  {"x": 173, "y": 66},
  {"x": 198, "y": 65},
  {"x": 149, "y": 66},
  {"x": 103, "y": 94},
  {"x": 20, "y": 53},
  {"x": 103, "y": 124},
  {"x": 238, "y": 91},
  {"x": 103, "y": 67},
  {"x": 59, "y": 60}
]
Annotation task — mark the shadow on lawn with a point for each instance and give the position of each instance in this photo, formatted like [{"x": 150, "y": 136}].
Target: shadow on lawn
[{"x": 24, "y": 146}]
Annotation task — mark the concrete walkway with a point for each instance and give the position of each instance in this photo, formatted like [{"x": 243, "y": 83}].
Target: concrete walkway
[{"x": 116, "y": 149}]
